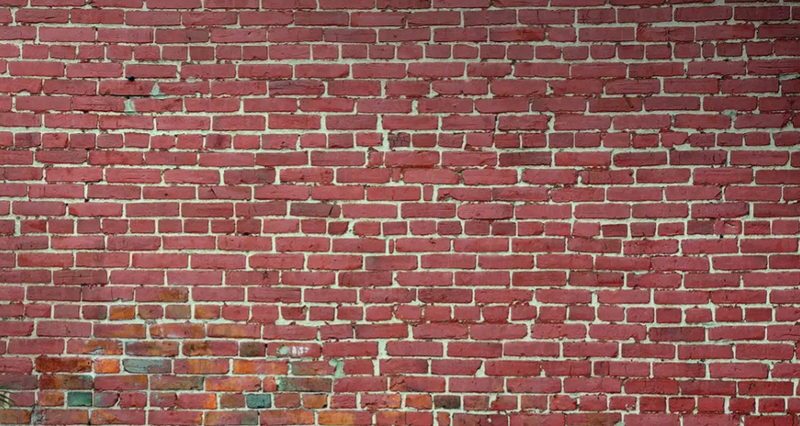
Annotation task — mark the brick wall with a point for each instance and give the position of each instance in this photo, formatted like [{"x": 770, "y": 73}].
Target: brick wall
[{"x": 400, "y": 212}]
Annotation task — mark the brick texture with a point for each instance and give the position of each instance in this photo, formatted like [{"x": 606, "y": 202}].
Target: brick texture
[{"x": 400, "y": 212}]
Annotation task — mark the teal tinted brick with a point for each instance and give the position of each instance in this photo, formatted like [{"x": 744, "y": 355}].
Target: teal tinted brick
[
  {"x": 79, "y": 399},
  {"x": 259, "y": 400},
  {"x": 147, "y": 366}
]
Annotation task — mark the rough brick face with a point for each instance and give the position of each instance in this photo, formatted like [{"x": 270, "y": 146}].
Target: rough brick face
[{"x": 400, "y": 212}]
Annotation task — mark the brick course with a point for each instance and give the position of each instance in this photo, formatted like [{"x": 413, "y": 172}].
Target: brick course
[{"x": 400, "y": 212}]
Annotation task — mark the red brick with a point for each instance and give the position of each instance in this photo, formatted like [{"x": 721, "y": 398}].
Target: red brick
[{"x": 486, "y": 187}]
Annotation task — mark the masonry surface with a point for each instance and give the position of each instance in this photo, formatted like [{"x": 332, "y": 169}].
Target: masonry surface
[{"x": 400, "y": 212}]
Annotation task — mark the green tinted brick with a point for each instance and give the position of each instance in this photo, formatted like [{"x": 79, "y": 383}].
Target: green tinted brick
[
  {"x": 259, "y": 400},
  {"x": 79, "y": 399}
]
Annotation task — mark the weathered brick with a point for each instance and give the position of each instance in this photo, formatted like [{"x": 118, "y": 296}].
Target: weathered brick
[{"x": 461, "y": 207}]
